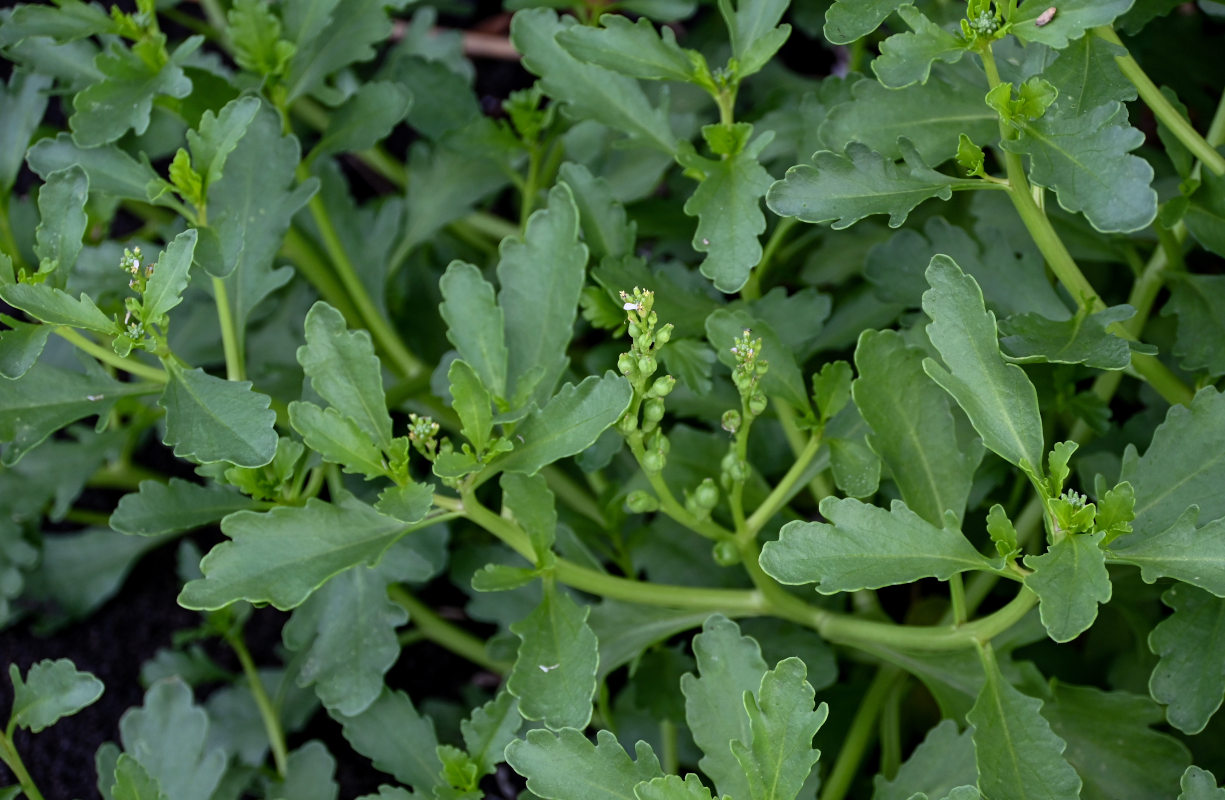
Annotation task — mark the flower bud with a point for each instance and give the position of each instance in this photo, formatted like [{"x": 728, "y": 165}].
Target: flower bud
[
  {"x": 757, "y": 404},
  {"x": 625, "y": 364},
  {"x": 647, "y": 365},
  {"x": 662, "y": 386},
  {"x": 634, "y": 330},
  {"x": 653, "y": 410},
  {"x": 664, "y": 334},
  {"x": 726, "y": 554},
  {"x": 641, "y": 502},
  {"x": 627, "y": 424},
  {"x": 730, "y": 421},
  {"x": 706, "y": 495},
  {"x": 653, "y": 461}
]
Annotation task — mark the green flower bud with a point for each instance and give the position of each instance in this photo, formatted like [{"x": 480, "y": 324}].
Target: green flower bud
[
  {"x": 726, "y": 554},
  {"x": 706, "y": 495},
  {"x": 662, "y": 386},
  {"x": 730, "y": 421},
  {"x": 641, "y": 502},
  {"x": 627, "y": 424},
  {"x": 653, "y": 410},
  {"x": 664, "y": 335},
  {"x": 625, "y": 364},
  {"x": 757, "y": 404},
  {"x": 634, "y": 330},
  {"x": 653, "y": 461},
  {"x": 647, "y": 365}
]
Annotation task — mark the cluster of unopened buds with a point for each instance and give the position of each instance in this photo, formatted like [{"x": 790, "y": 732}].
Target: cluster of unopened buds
[{"x": 423, "y": 433}]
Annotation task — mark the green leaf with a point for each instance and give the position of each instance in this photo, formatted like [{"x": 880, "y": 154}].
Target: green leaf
[
  {"x": 1182, "y": 551},
  {"x": 1018, "y": 754},
  {"x": 111, "y": 171},
  {"x": 755, "y": 37},
  {"x": 779, "y": 756},
  {"x": 671, "y": 787},
  {"x": 848, "y": 20},
  {"x": 168, "y": 736},
  {"x": 472, "y": 403},
  {"x": 55, "y": 307},
  {"x": 727, "y": 204},
  {"x": 332, "y": 35},
  {"x": 346, "y": 635},
  {"x": 906, "y": 58},
  {"x": 913, "y": 428},
  {"x": 123, "y": 100},
  {"x": 283, "y": 555},
  {"x": 867, "y": 547},
  {"x": 569, "y": 423},
  {"x": 997, "y": 397},
  {"x": 310, "y": 775},
  {"x": 397, "y": 739},
  {"x": 1206, "y": 211},
  {"x": 489, "y": 729},
  {"x": 930, "y": 115},
  {"x": 783, "y": 379},
  {"x": 542, "y": 276},
  {"x": 1031, "y": 338},
  {"x": 475, "y": 324},
  {"x": 845, "y": 189},
  {"x": 1183, "y": 466},
  {"x": 338, "y": 439},
  {"x": 856, "y": 468},
  {"x": 409, "y": 502},
  {"x": 250, "y": 206},
  {"x": 1085, "y": 158},
  {"x": 1072, "y": 20},
  {"x": 1189, "y": 677},
  {"x": 210, "y": 419},
  {"x": 566, "y": 766},
  {"x": 626, "y": 630},
  {"x": 448, "y": 181},
  {"x": 606, "y": 230},
  {"x": 81, "y": 570},
  {"x": 218, "y": 134},
  {"x": 1199, "y": 784},
  {"x": 158, "y": 508},
  {"x": 1070, "y": 580},
  {"x": 1087, "y": 75},
  {"x": 1134, "y": 762},
  {"x": 532, "y": 505},
  {"x": 22, "y": 104},
  {"x": 634, "y": 49},
  {"x": 133, "y": 781},
  {"x": 1201, "y": 321},
  {"x": 590, "y": 92},
  {"x": 47, "y": 398},
  {"x": 344, "y": 370},
  {"x": 21, "y": 345},
  {"x": 61, "y": 208},
  {"x": 365, "y": 119},
  {"x": 50, "y": 691},
  {"x": 729, "y": 665},
  {"x": 554, "y": 673},
  {"x": 943, "y": 761},
  {"x": 255, "y": 33},
  {"x": 165, "y": 288}
]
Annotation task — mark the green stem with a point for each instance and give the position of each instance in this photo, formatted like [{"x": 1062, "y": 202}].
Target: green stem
[
  {"x": 108, "y": 356},
  {"x": 668, "y": 758},
  {"x": 891, "y": 729},
  {"x": 8, "y": 754},
  {"x": 301, "y": 251},
  {"x": 1162, "y": 108},
  {"x": 818, "y": 486},
  {"x": 752, "y": 288},
  {"x": 528, "y": 200},
  {"x": 231, "y": 335},
  {"x": 862, "y": 731},
  {"x": 268, "y": 712},
  {"x": 573, "y": 495},
  {"x": 957, "y": 599},
  {"x": 668, "y": 503},
  {"x": 783, "y": 490},
  {"x": 404, "y": 362},
  {"x": 443, "y": 633}
]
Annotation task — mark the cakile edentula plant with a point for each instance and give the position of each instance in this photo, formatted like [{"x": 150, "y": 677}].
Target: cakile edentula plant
[{"x": 752, "y": 432}]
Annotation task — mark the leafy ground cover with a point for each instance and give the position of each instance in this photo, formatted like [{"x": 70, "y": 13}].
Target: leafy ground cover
[{"x": 696, "y": 422}]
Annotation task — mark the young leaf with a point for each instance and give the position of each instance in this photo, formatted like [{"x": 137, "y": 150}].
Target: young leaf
[
  {"x": 1014, "y": 746},
  {"x": 337, "y": 438},
  {"x": 845, "y": 189},
  {"x": 1199, "y": 784},
  {"x": 472, "y": 404},
  {"x": 210, "y": 419},
  {"x": 565, "y": 765},
  {"x": 779, "y": 755},
  {"x": 409, "y": 502},
  {"x": 569, "y": 423},
  {"x": 1031, "y": 338},
  {"x": 591, "y": 92},
  {"x": 1073, "y": 18},
  {"x": 397, "y": 739},
  {"x": 554, "y": 673},
  {"x": 475, "y": 324},
  {"x": 61, "y": 207},
  {"x": 913, "y": 430},
  {"x": 56, "y": 307},
  {"x": 346, "y": 634},
  {"x": 1182, "y": 551},
  {"x": 1201, "y": 321},
  {"x": 729, "y": 665},
  {"x": 542, "y": 276},
  {"x": 133, "y": 781},
  {"x": 1183, "y": 466},
  {"x": 255, "y": 33},
  {"x": 634, "y": 49},
  {"x": 165, "y": 288},
  {"x": 1189, "y": 677},
  {"x": 906, "y": 58},
  {"x": 727, "y": 204},
  {"x": 310, "y": 775},
  {"x": 848, "y": 20},
  {"x": 345, "y": 371},
  {"x": 532, "y": 505},
  {"x": 50, "y": 691},
  {"x": 1134, "y": 761},
  {"x": 943, "y": 761},
  {"x": 1070, "y": 580},
  {"x": 159, "y": 508},
  {"x": 283, "y": 555},
  {"x": 997, "y": 397},
  {"x": 489, "y": 729},
  {"x": 866, "y": 547},
  {"x": 1085, "y": 158},
  {"x": 168, "y": 736},
  {"x": 755, "y": 39}
]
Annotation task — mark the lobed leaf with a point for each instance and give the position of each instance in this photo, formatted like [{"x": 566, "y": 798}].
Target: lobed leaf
[
  {"x": 906, "y": 58},
  {"x": 50, "y": 691},
  {"x": 159, "y": 508},
  {"x": 167, "y": 736},
  {"x": 779, "y": 756},
  {"x": 1189, "y": 678},
  {"x": 1182, "y": 551},
  {"x": 489, "y": 729},
  {"x": 943, "y": 761},
  {"x": 475, "y": 324},
  {"x": 1201, "y": 321},
  {"x": 565, "y": 765},
  {"x": 1031, "y": 338},
  {"x": 607, "y": 231},
  {"x": 1070, "y": 579},
  {"x": 56, "y": 307},
  {"x": 530, "y": 503},
  {"x": 164, "y": 289},
  {"x": 554, "y": 675},
  {"x": 635, "y": 49},
  {"x": 397, "y": 739},
  {"x": 671, "y": 787},
  {"x": 1072, "y": 20},
  {"x": 848, "y": 20},
  {"x": 61, "y": 208},
  {"x": 210, "y": 419},
  {"x": 1087, "y": 75},
  {"x": 472, "y": 403}
]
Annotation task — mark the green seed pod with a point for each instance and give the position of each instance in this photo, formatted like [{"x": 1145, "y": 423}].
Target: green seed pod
[
  {"x": 625, "y": 364},
  {"x": 627, "y": 424},
  {"x": 707, "y": 494},
  {"x": 726, "y": 554},
  {"x": 647, "y": 365},
  {"x": 731, "y": 421},
  {"x": 642, "y": 502},
  {"x": 634, "y": 330},
  {"x": 662, "y": 386},
  {"x": 757, "y": 404},
  {"x": 653, "y": 461}
]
